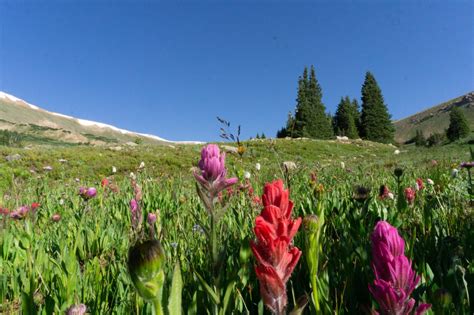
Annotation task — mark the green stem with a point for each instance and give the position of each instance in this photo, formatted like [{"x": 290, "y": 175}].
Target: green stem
[
  {"x": 215, "y": 257},
  {"x": 157, "y": 309},
  {"x": 315, "y": 294}
]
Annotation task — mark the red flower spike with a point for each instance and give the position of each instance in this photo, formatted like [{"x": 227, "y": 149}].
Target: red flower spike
[{"x": 275, "y": 254}]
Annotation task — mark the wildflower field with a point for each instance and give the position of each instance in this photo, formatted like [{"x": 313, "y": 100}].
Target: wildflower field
[{"x": 282, "y": 227}]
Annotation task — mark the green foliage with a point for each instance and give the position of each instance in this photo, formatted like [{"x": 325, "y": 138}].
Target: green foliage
[
  {"x": 419, "y": 139},
  {"x": 10, "y": 138},
  {"x": 458, "y": 126},
  {"x": 310, "y": 119},
  {"x": 376, "y": 124},
  {"x": 345, "y": 119},
  {"x": 47, "y": 266},
  {"x": 435, "y": 139}
]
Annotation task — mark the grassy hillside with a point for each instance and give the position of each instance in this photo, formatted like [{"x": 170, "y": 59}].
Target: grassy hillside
[
  {"x": 434, "y": 119},
  {"x": 90, "y": 164},
  {"x": 40, "y": 126}
]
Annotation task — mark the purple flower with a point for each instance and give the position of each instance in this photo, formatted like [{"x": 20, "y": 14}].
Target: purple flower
[
  {"x": 386, "y": 245},
  {"x": 133, "y": 205},
  {"x": 395, "y": 279},
  {"x": 151, "y": 218},
  {"x": 213, "y": 172},
  {"x": 87, "y": 193},
  {"x": 467, "y": 165},
  {"x": 91, "y": 192},
  {"x": 19, "y": 213},
  {"x": 79, "y": 309}
]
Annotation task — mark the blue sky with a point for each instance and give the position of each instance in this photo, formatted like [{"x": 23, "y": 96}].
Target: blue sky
[{"x": 169, "y": 68}]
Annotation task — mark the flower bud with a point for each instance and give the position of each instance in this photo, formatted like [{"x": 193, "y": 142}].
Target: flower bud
[
  {"x": 79, "y": 309},
  {"x": 245, "y": 252},
  {"x": 145, "y": 264},
  {"x": 151, "y": 218},
  {"x": 443, "y": 297},
  {"x": 398, "y": 172},
  {"x": 310, "y": 223},
  {"x": 56, "y": 217}
]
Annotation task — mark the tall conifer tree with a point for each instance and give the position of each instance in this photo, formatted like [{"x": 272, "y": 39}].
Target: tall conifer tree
[
  {"x": 318, "y": 125},
  {"x": 458, "y": 126},
  {"x": 344, "y": 122},
  {"x": 376, "y": 124}
]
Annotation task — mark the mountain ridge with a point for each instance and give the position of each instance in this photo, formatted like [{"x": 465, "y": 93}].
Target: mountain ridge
[
  {"x": 19, "y": 115},
  {"x": 434, "y": 119}
]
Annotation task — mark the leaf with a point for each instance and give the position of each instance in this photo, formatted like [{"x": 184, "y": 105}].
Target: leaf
[
  {"x": 228, "y": 291},
  {"x": 300, "y": 305},
  {"x": 209, "y": 290},
  {"x": 175, "y": 300}
]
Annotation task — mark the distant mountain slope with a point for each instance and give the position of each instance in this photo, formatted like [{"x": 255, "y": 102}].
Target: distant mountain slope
[
  {"x": 38, "y": 125},
  {"x": 434, "y": 119}
]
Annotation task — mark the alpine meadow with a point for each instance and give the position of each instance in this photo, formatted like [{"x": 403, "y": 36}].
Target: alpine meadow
[{"x": 325, "y": 163}]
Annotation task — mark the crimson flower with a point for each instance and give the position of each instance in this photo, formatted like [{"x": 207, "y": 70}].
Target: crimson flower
[
  {"x": 419, "y": 184},
  {"x": 104, "y": 182},
  {"x": 410, "y": 195},
  {"x": 275, "y": 254}
]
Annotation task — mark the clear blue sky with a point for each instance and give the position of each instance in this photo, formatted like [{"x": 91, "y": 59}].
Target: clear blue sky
[{"x": 170, "y": 68}]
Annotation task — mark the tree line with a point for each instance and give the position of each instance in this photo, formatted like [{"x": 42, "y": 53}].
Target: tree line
[{"x": 371, "y": 122}]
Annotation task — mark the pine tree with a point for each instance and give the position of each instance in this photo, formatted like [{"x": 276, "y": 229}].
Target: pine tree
[
  {"x": 458, "y": 126},
  {"x": 419, "y": 138},
  {"x": 356, "y": 114},
  {"x": 318, "y": 124},
  {"x": 344, "y": 123},
  {"x": 302, "y": 107},
  {"x": 376, "y": 124}
]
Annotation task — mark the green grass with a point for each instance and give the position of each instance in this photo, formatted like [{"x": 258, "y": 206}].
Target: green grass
[{"x": 47, "y": 267}]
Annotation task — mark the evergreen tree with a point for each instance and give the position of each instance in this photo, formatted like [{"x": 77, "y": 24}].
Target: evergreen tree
[
  {"x": 263, "y": 136},
  {"x": 302, "y": 107},
  {"x": 356, "y": 114},
  {"x": 344, "y": 123},
  {"x": 376, "y": 124},
  {"x": 458, "y": 126},
  {"x": 317, "y": 124},
  {"x": 419, "y": 138}
]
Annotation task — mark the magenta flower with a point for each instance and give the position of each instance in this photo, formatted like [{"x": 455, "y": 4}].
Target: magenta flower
[
  {"x": 20, "y": 213},
  {"x": 133, "y": 205},
  {"x": 212, "y": 177},
  {"x": 134, "y": 211},
  {"x": 151, "y": 218},
  {"x": 395, "y": 279},
  {"x": 91, "y": 192},
  {"x": 87, "y": 193}
]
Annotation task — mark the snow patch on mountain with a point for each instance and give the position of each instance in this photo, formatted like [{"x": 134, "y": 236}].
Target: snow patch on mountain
[{"x": 90, "y": 123}]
